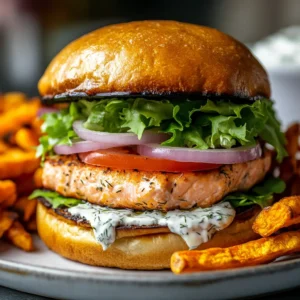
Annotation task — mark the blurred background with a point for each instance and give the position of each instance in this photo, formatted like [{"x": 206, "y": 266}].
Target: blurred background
[{"x": 33, "y": 31}]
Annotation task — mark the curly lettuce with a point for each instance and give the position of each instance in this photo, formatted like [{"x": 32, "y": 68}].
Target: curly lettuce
[
  {"x": 201, "y": 124},
  {"x": 261, "y": 194}
]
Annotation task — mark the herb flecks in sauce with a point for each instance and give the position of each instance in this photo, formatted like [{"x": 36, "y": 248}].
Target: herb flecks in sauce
[{"x": 195, "y": 226}]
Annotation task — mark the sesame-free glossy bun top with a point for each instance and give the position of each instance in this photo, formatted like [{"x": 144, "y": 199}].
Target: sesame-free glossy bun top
[{"x": 155, "y": 58}]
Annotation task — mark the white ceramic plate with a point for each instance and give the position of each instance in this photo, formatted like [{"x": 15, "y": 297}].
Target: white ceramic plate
[{"x": 47, "y": 274}]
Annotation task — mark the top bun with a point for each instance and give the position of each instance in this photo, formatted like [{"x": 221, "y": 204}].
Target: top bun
[{"x": 155, "y": 58}]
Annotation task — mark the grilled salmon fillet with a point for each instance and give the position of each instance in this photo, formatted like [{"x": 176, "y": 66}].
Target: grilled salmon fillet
[{"x": 149, "y": 190}]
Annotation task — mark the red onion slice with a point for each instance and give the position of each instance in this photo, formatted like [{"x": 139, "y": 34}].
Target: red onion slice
[
  {"x": 46, "y": 110},
  {"x": 80, "y": 147},
  {"x": 213, "y": 156},
  {"x": 118, "y": 139}
]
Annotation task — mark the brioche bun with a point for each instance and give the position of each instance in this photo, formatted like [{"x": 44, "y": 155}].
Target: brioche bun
[
  {"x": 155, "y": 58},
  {"x": 146, "y": 249}
]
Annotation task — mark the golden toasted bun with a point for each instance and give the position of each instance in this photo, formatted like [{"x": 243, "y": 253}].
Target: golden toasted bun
[
  {"x": 129, "y": 251},
  {"x": 156, "y": 58}
]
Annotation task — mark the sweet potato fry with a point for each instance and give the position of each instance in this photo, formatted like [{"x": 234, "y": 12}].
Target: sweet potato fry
[
  {"x": 31, "y": 225},
  {"x": 13, "y": 119},
  {"x": 11, "y": 101},
  {"x": 20, "y": 129},
  {"x": 290, "y": 166},
  {"x": 282, "y": 214},
  {"x": 292, "y": 135},
  {"x": 26, "y": 139},
  {"x": 3, "y": 147},
  {"x": 19, "y": 236},
  {"x": 25, "y": 207},
  {"x": 7, "y": 191},
  {"x": 252, "y": 253},
  {"x": 6, "y": 220},
  {"x": 16, "y": 162},
  {"x": 36, "y": 125},
  {"x": 8, "y": 203},
  {"x": 37, "y": 177},
  {"x": 25, "y": 184}
]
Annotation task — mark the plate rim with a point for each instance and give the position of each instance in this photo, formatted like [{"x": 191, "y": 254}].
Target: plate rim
[{"x": 161, "y": 279}]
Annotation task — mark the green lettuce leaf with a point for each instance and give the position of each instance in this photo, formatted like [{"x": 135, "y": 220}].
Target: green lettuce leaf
[
  {"x": 225, "y": 124},
  {"x": 142, "y": 114},
  {"x": 103, "y": 115},
  {"x": 58, "y": 129},
  {"x": 261, "y": 194},
  {"x": 201, "y": 124},
  {"x": 56, "y": 200}
]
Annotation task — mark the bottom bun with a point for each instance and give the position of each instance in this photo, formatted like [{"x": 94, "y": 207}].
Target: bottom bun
[{"x": 146, "y": 252}]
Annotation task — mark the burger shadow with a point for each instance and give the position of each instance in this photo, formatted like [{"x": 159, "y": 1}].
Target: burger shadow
[{"x": 12, "y": 251}]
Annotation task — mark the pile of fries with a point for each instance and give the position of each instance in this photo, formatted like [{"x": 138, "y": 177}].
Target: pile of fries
[
  {"x": 19, "y": 168},
  {"x": 278, "y": 225}
]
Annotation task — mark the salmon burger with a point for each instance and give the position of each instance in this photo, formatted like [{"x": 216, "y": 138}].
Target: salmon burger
[{"x": 163, "y": 141}]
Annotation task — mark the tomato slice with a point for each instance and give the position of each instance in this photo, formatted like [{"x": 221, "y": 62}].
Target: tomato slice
[{"x": 125, "y": 159}]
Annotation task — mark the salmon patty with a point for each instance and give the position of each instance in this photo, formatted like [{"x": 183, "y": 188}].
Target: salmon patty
[{"x": 142, "y": 190}]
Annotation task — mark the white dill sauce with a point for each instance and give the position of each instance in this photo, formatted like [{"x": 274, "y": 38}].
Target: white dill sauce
[{"x": 195, "y": 226}]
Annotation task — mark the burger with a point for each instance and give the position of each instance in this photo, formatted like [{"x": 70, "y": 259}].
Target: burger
[{"x": 160, "y": 138}]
